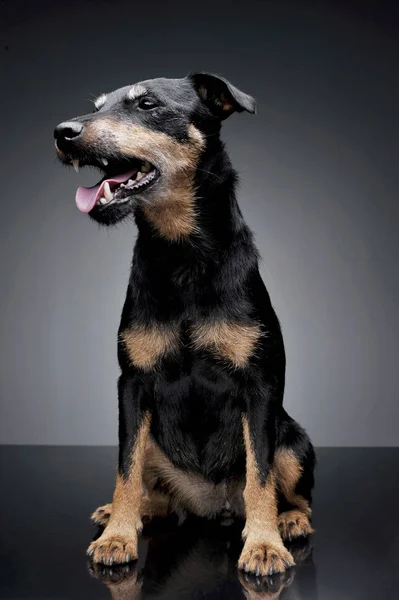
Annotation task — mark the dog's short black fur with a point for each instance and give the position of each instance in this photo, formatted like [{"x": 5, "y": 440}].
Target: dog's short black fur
[{"x": 201, "y": 417}]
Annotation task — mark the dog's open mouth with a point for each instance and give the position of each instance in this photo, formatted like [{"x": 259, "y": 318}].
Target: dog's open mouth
[{"x": 118, "y": 188}]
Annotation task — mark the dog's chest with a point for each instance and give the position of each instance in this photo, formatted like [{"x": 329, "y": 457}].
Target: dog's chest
[
  {"x": 196, "y": 368},
  {"x": 227, "y": 341},
  {"x": 196, "y": 420}
]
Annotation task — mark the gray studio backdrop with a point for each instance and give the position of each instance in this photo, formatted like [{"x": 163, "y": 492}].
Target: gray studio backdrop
[{"x": 319, "y": 187}]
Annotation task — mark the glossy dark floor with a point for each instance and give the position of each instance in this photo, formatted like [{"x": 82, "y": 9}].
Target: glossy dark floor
[{"x": 49, "y": 492}]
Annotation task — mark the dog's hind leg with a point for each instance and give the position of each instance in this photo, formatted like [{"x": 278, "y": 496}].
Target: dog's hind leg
[
  {"x": 102, "y": 515},
  {"x": 154, "y": 505},
  {"x": 293, "y": 466}
]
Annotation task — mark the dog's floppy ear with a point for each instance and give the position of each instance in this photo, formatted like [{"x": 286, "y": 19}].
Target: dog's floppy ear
[{"x": 220, "y": 96}]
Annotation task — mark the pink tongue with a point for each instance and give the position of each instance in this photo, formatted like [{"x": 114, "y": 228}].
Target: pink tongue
[{"x": 86, "y": 197}]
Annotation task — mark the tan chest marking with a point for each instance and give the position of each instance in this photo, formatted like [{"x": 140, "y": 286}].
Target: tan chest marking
[
  {"x": 235, "y": 342},
  {"x": 145, "y": 345}
]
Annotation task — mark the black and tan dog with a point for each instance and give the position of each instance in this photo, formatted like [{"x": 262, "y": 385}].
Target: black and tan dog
[{"x": 201, "y": 421}]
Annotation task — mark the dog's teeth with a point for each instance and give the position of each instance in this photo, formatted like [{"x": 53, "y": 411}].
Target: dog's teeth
[
  {"x": 107, "y": 191},
  {"x": 76, "y": 165},
  {"x": 130, "y": 182},
  {"x": 104, "y": 161},
  {"x": 139, "y": 176},
  {"x": 122, "y": 185},
  {"x": 146, "y": 167},
  {"x": 103, "y": 200}
]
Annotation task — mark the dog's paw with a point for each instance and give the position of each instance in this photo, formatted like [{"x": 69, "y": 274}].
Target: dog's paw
[
  {"x": 265, "y": 588},
  {"x": 115, "y": 575},
  {"x": 123, "y": 581},
  {"x": 264, "y": 559},
  {"x": 301, "y": 549},
  {"x": 113, "y": 549},
  {"x": 102, "y": 515},
  {"x": 293, "y": 524}
]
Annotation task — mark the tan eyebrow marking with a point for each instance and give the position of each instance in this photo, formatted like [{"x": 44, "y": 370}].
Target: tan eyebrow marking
[
  {"x": 100, "y": 101},
  {"x": 136, "y": 91}
]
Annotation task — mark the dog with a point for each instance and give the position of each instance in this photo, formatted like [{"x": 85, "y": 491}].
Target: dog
[{"x": 202, "y": 426}]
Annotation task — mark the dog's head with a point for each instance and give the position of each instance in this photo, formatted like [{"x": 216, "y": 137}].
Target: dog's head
[{"x": 147, "y": 139}]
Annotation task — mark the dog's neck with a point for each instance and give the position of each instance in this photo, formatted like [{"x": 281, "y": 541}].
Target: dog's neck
[{"x": 207, "y": 269}]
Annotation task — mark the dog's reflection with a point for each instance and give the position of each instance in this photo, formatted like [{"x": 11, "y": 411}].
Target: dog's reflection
[{"x": 199, "y": 560}]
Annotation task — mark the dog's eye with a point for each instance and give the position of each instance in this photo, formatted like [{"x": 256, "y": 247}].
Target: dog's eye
[{"x": 147, "y": 103}]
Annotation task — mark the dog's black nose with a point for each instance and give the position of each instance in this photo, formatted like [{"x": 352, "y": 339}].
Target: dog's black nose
[{"x": 68, "y": 130}]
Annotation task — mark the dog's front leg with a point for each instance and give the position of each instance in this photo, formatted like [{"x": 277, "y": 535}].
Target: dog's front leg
[
  {"x": 118, "y": 543},
  {"x": 264, "y": 552}
]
